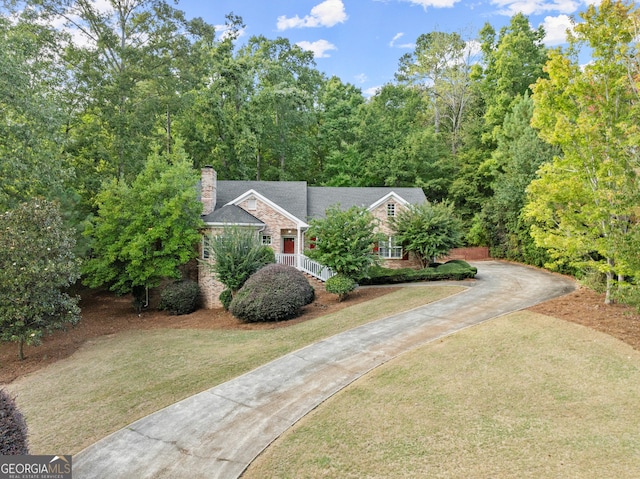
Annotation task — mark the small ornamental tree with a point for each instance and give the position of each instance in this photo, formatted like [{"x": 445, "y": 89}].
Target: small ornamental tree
[
  {"x": 427, "y": 230},
  {"x": 340, "y": 285},
  {"x": 344, "y": 241},
  {"x": 36, "y": 265},
  {"x": 237, "y": 254},
  {"x": 144, "y": 232}
]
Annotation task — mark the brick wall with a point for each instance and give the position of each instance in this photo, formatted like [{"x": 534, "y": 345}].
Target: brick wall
[
  {"x": 476, "y": 253},
  {"x": 275, "y": 222},
  {"x": 381, "y": 214}
]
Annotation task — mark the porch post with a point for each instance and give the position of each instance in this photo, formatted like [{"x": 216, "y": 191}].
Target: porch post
[{"x": 299, "y": 248}]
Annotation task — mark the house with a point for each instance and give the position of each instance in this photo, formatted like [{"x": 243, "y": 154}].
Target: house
[{"x": 279, "y": 211}]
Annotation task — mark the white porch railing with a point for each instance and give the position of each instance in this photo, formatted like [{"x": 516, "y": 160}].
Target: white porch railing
[{"x": 307, "y": 265}]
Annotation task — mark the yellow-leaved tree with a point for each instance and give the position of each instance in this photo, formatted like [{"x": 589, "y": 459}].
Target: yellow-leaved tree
[{"x": 584, "y": 204}]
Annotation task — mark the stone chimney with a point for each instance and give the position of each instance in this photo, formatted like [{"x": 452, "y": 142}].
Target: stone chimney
[{"x": 208, "y": 194}]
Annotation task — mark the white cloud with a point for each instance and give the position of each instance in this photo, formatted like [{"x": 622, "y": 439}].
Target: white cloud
[
  {"x": 397, "y": 37},
  {"x": 556, "y": 29},
  {"x": 362, "y": 78},
  {"x": 374, "y": 90},
  {"x": 434, "y": 3},
  {"x": 225, "y": 32},
  {"x": 319, "y": 48},
  {"x": 536, "y": 7},
  {"x": 473, "y": 51},
  {"x": 325, "y": 14}
]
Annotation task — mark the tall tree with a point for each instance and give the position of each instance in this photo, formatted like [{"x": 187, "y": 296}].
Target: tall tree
[
  {"x": 397, "y": 146},
  {"x": 31, "y": 157},
  {"x": 512, "y": 62},
  {"x": 216, "y": 126},
  {"x": 337, "y": 129},
  {"x": 283, "y": 106},
  {"x": 142, "y": 233},
  {"x": 515, "y": 162},
  {"x": 585, "y": 200},
  {"x": 440, "y": 66},
  {"x": 129, "y": 60},
  {"x": 37, "y": 265}
]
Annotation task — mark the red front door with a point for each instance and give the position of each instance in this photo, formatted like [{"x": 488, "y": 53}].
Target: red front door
[{"x": 289, "y": 246}]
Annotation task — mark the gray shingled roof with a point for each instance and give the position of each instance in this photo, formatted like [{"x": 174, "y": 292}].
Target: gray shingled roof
[
  {"x": 319, "y": 198},
  {"x": 232, "y": 214},
  {"x": 297, "y": 198},
  {"x": 289, "y": 195}
]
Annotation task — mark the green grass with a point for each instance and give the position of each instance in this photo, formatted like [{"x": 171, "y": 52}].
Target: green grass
[
  {"x": 522, "y": 396},
  {"x": 113, "y": 381}
]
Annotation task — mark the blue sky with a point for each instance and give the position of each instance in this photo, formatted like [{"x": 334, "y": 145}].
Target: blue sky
[{"x": 361, "y": 41}]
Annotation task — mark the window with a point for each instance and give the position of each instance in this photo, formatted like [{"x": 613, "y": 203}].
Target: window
[
  {"x": 389, "y": 249},
  {"x": 266, "y": 240},
  {"x": 391, "y": 209},
  {"x": 206, "y": 248},
  {"x": 252, "y": 204}
]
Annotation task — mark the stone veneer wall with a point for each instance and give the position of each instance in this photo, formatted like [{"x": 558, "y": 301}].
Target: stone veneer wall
[
  {"x": 210, "y": 289},
  {"x": 380, "y": 213},
  {"x": 275, "y": 221}
]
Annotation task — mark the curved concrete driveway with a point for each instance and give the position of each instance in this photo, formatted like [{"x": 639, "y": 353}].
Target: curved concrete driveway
[{"x": 218, "y": 432}]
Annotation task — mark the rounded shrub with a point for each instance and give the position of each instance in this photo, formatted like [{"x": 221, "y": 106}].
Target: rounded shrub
[
  {"x": 180, "y": 297},
  {"x": 13, "y": 428},
  {"x": 225, "y": 298},
  {"x": 274, "y": 293},
  {"x": 341, "y": 285},
  {"x": 456, "y": 270}
]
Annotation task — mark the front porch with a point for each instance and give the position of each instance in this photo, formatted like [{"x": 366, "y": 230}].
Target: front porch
[{"x": 306, "y": 265}]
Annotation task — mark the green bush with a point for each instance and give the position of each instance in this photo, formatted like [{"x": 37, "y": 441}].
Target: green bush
[
  {"x": 451, "y": 270},
  {"x": 266, "y": 255},
  {"x": 341, "y": 285},
  {"x": 274, "y": 293},
  {"x": 13, "y": 428},
  {"x": 456, "y": 269},
  {"x": 225, "y": 298},
  {"x": 180, "y": 297},
  {"x": 237, "y": 254}
]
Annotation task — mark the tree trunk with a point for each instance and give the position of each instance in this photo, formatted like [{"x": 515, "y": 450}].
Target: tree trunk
[
  {"x": 168, "y": 131},
  {"x": 610, "y": 279},
  {"x": 21, "y": 350}
]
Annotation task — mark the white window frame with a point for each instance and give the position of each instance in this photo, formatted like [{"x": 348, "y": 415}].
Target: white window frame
[
  {"x": 389, "y": 249},
  {"x": 206, "y": 248},
  {"x": 252, "y": 204},
  {"x": 391, "y": 210},
  {"x": 267, "y": 240}
]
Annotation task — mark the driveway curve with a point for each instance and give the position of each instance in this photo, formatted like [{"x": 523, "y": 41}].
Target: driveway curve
[{"x": 217, "y": 433}]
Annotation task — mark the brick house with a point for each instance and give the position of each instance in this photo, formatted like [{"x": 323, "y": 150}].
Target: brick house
[{"x": 279, "y": 211}]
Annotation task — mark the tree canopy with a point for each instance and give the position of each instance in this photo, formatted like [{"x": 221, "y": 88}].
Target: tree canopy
[
  {"x": 87, "y": 107},
  {"x": 586, "y": 199},
  {"x": 144, "y": 231}
]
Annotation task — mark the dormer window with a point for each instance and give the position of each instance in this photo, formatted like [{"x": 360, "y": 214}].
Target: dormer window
[
  {"x": 391, "y": 209},
  {"x": 252, "y": 204}
]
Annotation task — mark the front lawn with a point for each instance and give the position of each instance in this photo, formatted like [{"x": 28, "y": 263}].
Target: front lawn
[
  {"x": 114, "y": 380},
  {"x": 522, "y": 396}
]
